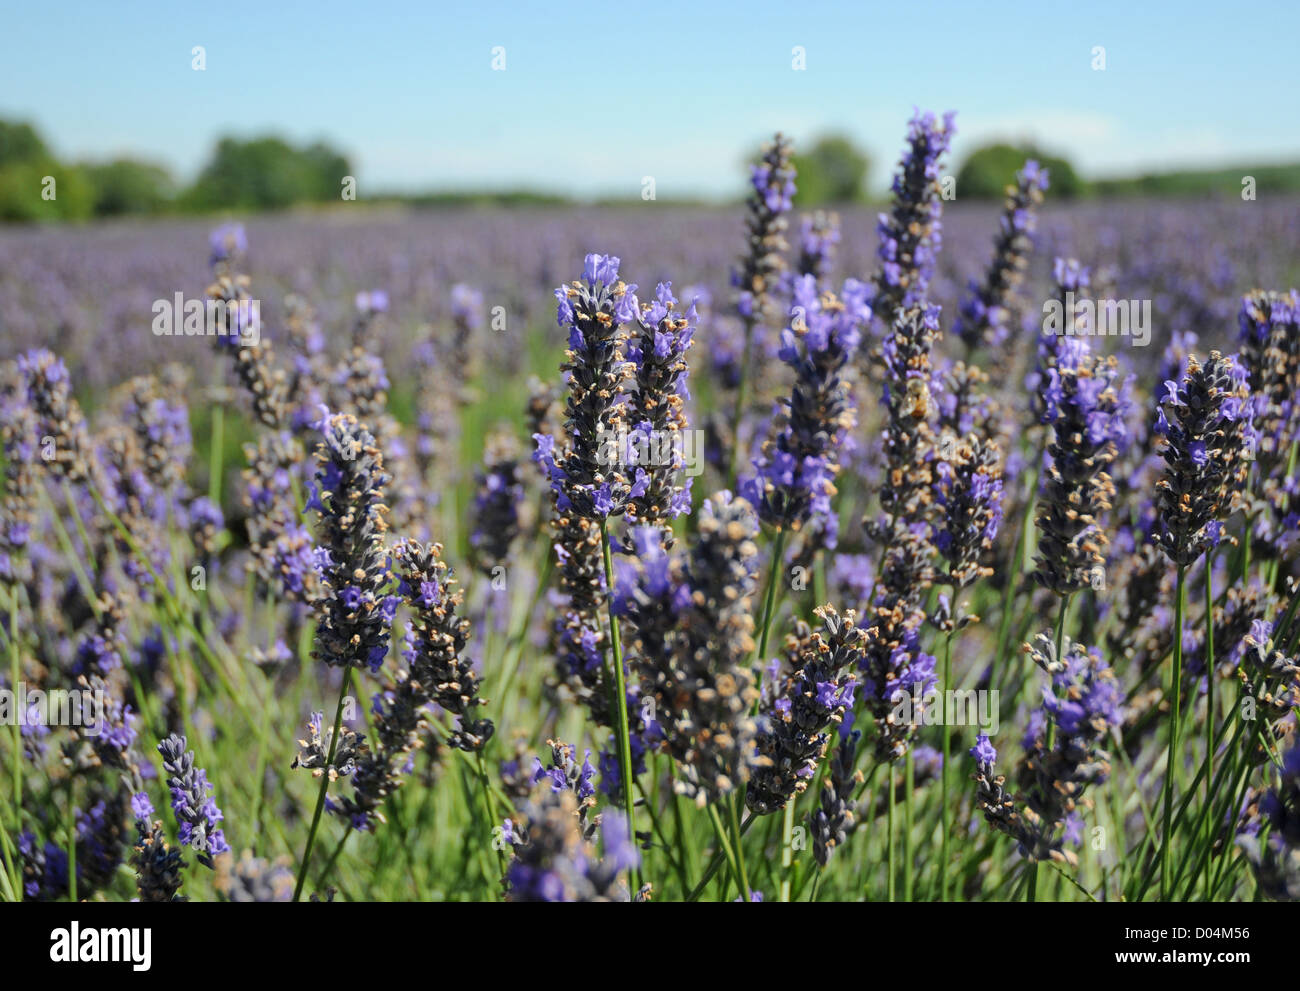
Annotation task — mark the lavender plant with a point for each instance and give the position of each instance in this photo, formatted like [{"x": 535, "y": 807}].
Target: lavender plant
[{"x": 187, "y": 595}]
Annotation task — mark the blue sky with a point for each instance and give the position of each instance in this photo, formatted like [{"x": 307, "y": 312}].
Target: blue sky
[{"x": 594, "y": 97}]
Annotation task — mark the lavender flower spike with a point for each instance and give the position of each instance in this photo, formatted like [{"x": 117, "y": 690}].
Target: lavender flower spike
[
  {"x": 554, "y": 839},
  {"x": 1209, "y": 440},
  {"x": 237, "y": 330},
  {"x": 987, "y": 314},
  {"x": 910, "y": 234},
  {"x": 769, "y": 202},
  {"x": 968, "y": 501},
  {"x": 1085, "y": 403},
  {"x": 496, "y": 503},
  {"x": 834, "y": 818},
  {"x": 196, "y": 812},
  {"x": 588, "y": 483},
  {"x": 1269, "y": 327},
  {"x": 795, "y": 472},
  {"x": 437, "y": 643},
  {"x": 690, "y": 636},
  {"x": 584, "y": 475},
  {"x": 819, "y": 235},
  {"x": 656, "y": 438},
  {"x": 1083, "y": 705},
  {"x": 797, "y": 714},
  {"x": 356, "y": 615}
]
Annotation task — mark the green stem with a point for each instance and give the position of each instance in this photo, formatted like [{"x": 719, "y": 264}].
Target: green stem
[
  {"x": 259, "y": 781},
  {"x": 889, "y": 842},
  {"x": 769, "y": 600},
  {"x": 651, "y": 802},
  {"x": 787, "y": 846},
  {"x": 78, "y": 568},
  {"x": 333, "y": 857},
  {"x": 718, "y": 857},
  {"x": 1013, "y": 579},
  {"x": 1209, "y": 683},
  {"x": 685, "y": 849},
  {"x": 324, "y": 785},
  {"x": 734, "y": 807},
  {"x": 491, "y": 806},
  {"x": 1060, "y": 626},
  {"x": 515, "y": 645},
  {"x": 72, "y": 843},
  {"x": 1059, "y": 641},
  {"x": 724, "y": 844},
  {"x": 7, "y": 892},
  {"x": 620, "y": 701},
  {"x": 946, "y": 813},
  {"x": 909, "y": 814},
  {"x": 216, "y": 452},
  {"x": 1171, "y": 762}
]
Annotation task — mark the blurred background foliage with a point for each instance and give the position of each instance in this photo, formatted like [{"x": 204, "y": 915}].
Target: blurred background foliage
[
  {"x": 269, "y": 173},
  {"x": 264, "y": 173},
  {"x": 989, "y": 170},
  {"x": 833, "y": 170}
]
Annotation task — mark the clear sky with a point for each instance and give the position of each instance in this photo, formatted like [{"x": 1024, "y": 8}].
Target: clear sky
[{"x": 594, "y": 97}]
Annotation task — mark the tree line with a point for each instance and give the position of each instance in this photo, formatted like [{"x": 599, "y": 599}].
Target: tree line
[
  {"x": 269, "y": 173},
  {"x": 264, "y": 173}
]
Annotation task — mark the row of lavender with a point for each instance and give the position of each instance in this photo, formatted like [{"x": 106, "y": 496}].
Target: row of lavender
[
  {"x": 72, "y": 290},
  {"x": 859, "y": 437}
]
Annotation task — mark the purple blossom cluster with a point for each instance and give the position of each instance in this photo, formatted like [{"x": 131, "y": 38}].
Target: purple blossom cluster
[
  {"x": 911, "y": 235},
  {"x": 356, "y": 613},
  {"x": 794, "y": 475},
  {"x": 1064, "y": 745},
  {"x": 800, "y": 706},
  {"x": 1206, "y": 423},
  {"x": 989, "y": 312},
  {"x": 197, "y": 814},
  {"x": 582, "y": 476},
  {"x": 1085, "y": 404},
  {"x": 553, "y": 839}
]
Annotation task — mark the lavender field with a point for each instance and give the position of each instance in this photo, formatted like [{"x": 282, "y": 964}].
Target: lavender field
[{"x": 940, "y": 551}]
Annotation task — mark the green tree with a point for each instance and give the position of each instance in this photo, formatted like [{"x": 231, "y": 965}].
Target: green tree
[
  {"x": 20, "y": 143},
  {"x": 127, "y": 186},
  {"x": 327, "y": 168},
  {"x": 33, "y": 184},
  {"x": 988, "y": 170},
  {"x": 832, "y": 170},
  {"x": 266, "y": 174},
  {"x": 41, "y": 189}
]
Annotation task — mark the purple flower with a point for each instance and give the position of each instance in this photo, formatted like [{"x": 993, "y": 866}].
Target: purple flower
[
  {"x": 795, "y": 714},
  {"x": 227, "y": 243},
  {"x": 986, "y": 315},
  {"x": 197, "y": 814},
  {"x": 794, "y": 474},
  {"x": 984, "y": 752},
  {"x": 1205, "y": 422},
  {"x": 910, "y": 234}
]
